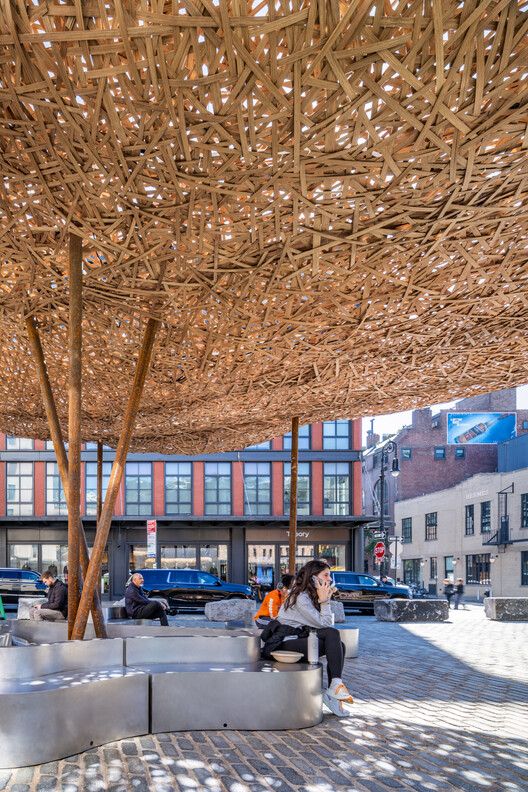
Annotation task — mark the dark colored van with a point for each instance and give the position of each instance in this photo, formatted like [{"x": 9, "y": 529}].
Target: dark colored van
[
  {"x": 360, "y": 591},
  {"x": 15, "y": 583},
  {"x": 190, "y": 588}
]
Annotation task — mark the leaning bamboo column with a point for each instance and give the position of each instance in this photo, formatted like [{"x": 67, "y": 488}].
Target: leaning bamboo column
[
  {"x": 74, "y": 426},
  {"x": 293, "y": 494},
  {"x": 116, "y": 476},
  {"x": 62, "y": 457}
]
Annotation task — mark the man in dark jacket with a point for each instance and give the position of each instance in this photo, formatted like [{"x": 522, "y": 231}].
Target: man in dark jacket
[
  {"x": 56, "y": 607},
  {"x": 139, "y": 606}
]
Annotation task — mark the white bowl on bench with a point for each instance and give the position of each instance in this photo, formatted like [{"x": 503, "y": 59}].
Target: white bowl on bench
[{"x": 283, "y": 656}]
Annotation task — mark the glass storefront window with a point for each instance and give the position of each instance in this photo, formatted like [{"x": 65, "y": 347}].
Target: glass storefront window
[
  {"x": 137, "y": 558},
  {"x": 334, "y": 555},
  {"x": 24, "y": 556},
  {"x": 304, "y": 553},
  {"x": 178, "y": 557},
  {"x": 261, "y": 566},
  {"x": 55, "y": 558},
  {"x": 213, "y": 559},
  {"x": 412, "y": 571}
]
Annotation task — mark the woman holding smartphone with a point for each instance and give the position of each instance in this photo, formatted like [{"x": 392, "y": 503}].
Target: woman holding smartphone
[{"x": 307, "y": 606}]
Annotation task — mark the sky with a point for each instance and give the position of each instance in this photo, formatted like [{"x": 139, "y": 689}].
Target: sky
[{"x": 390, "y": 424}]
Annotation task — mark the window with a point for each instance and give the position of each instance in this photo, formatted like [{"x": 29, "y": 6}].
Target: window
[
  {"x": 336, "y": 488},
  {"x": 433, "y": 568},
  {"x": 18, "y": 443},
  {"x": 55, "y": 497},
  {"x": 178, "y": 488},
  {"x": 412, "y": 570},
  {"x": 460, "y": 453},
  {"x": 478, "y": 568},
  {"x": 90, "y": 472},
  {"x": 439, "y": 452},
  {"x": 470, "y": 519},
  {"x": 336, "y": 435},
  {"x": 377, "y": 497},
  {"x": 93, "y": 447},
  {"x": 431, "y": 526},
  {"x": 524, "y": 510},
  {"x": 51, "y": 447},
  {"x": 449, "y": 567},
  {"x": 304, "y": 439},
  {"x": 376, "y": 462},
  {"x": 19, "y": 489},
  {"x": 407, "y": 530},
  {"x": 525, "y": 424},
  {"x": 266, "y": 445},
  {"x": 138, "y": 488},
  {"x": 257, "y": 488},
  {"x": 406, "y": 453},
  {"x": 218, "y": 488},
  {"x": 485, "y": 517},
  {"x": 303, "y": 487},
  {"x": 524, "y": 568}
]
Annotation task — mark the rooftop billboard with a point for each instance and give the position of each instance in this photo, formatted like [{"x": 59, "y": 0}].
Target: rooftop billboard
[{"x": 473, "y": 428}]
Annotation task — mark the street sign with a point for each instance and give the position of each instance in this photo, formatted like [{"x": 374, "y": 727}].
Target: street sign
[
  {"x": 151, "y": 538},
  {"x": 379, "y": 550}
]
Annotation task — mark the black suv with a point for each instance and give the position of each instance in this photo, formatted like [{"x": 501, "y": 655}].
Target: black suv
[
  {"x": 190, "y": 588},
  {"x": 15, "y": 583},
  {"x": 360, "y": 591}
]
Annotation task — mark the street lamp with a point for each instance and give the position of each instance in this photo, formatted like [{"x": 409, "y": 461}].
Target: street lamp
[{"x": 387, "y": 449}]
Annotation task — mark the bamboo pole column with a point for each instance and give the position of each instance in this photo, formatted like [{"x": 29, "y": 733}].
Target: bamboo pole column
[
  {"x": 103, "y": 525},
  {"x": 293, "y": 494},
  {"x": 62, "y": 458},
  {"x": 74, "y": 426}
]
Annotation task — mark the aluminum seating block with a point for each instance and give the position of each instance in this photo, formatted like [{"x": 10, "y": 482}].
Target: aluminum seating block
[
  {"x": 250, "y": 696},
  {"x": 33, "y": 661},
  {"x": 225, "y": 648},
  {"x": 84, "y": 709},
  {"x": 46, "y": 632}
]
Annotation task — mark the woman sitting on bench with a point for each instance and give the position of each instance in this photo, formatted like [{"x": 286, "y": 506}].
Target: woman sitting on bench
[{"x": 307, "y": 606}]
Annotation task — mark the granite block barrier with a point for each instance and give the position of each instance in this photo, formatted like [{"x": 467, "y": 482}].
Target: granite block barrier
[
  {"x": 506, "y": 608},
  {"x": 404, "y": 610},
  {"x": 229, "y": 609}
]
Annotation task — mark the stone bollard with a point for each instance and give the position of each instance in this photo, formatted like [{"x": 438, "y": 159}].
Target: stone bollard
[
  {"x": 404, "y": 610},
  {"x": 229, "y": 609},
  {"x": 506, "y": 608}
]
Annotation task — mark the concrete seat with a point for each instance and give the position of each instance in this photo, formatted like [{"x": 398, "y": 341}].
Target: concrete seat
[
  {"x": 249, "y": 696},
  {"x": 191, "y": 648},
  {"x": 89, "y": 696}
]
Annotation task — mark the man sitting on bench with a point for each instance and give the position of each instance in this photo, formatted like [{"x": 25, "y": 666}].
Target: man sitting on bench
[
  {"x": 139, "y": 606},
  {"x": 56, "y": 606}
]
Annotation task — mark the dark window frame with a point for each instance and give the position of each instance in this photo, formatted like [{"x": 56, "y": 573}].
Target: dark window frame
[
  {"x": 139, "y": 503},
  {"x": 431, "y": 526},
  {"x": 254, "y": 508},
  {"x": 478, "y": 569},
  {"x": 183, "y": 507},
  {"x": 328, "y": 436},
  {"x": 439, "y": 453},
  {"x": 305, "y": 439},
  {"x": 433, "y": 568},
  {"x": 90, "y": 472},
  {"x": 331, "y": 507},
  {"x": 524, "y": 567},
  {"x": 485, "y": 517},
  {"x": 524, "y": 510},
  {"x": 406, "y": 530},
  {"x": 304, "y": 507},
  {"x": 460, "y": 453},
  {"x": 210, "y": 504},
  {"x": 9, "y": 504},
  {"x": 406, "y": 453},
  {"x": 469, "y": 520}
]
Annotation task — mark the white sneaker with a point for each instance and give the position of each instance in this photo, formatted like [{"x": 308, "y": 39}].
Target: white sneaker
[
  {"x": 340, "y": 693},
  {"x": 334, "y": 705}
]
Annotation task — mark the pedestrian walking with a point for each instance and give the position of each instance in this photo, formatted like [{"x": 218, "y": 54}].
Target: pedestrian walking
[
  {"x": 449, "y": 590},
  {"x": 459, "y": 593}
]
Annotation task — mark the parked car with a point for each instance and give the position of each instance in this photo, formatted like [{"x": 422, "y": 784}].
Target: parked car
[
  {"x": 15, "y": 583},
  {"x": 190, "y": 588},
  {"x": 360, "y": 591}
]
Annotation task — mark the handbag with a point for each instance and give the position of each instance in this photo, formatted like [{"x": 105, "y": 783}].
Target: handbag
[{"x": 274, "y": 634}]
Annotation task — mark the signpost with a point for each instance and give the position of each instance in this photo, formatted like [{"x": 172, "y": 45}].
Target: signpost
[
  {"x": 151, "y": 538},
  {"x": 379, "y": 551}
]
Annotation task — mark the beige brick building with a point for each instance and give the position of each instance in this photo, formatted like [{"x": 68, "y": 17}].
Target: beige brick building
[{"x": 446, "y": 534}]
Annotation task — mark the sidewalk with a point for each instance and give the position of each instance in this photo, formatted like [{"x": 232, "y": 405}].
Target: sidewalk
[{"x": 438, "y": 708}]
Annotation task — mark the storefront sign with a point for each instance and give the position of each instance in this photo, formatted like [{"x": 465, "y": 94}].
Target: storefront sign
[
  {"x": 151, "y": 538},
  {"x": 300, "y": 534}
]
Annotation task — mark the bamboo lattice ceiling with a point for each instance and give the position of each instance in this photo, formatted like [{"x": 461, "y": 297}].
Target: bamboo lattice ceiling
[{"x": 324, "y": 202}]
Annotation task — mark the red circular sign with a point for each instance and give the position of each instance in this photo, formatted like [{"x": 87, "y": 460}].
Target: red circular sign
[{"x": 379, "y": 550}]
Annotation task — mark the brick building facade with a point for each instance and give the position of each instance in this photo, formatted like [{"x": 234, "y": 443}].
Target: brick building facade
[{"x": 227, "y": 513}]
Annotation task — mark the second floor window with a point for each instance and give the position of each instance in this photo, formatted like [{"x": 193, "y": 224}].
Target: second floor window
[
  {"x": 303, "y": 488},
  {"x": 55, "y": 497},
  {"x": 439, "y": 452},
  {"x": 407, "y": 530},
  {"x": 19, "y": 489},
  {"x": 336, "y": 488},
  {"x": 304, "y": 439},
  {"x": 18, "y": 443},
  {"x": 178, "y": 488},
  {"x": 257, "y": 488},
  {"x": 336, "y": 435},
  {"x": 91, "y": 484},
  {"x": 524, "y": 510},
  {"x": 485, "y": 517},
  {"x": 217, "y": 487},
  {"x": 138, "y": 488},
  {"x": 431, "y": 526},
  {"x": 470, "y": 519}
]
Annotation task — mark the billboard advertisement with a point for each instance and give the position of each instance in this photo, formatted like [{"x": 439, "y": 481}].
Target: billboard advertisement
[{"x": 472, "y": 428}]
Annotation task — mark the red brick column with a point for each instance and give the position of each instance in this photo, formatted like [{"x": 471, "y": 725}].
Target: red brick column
[
  {"x": 39, "y": 489},
  {"x": 158, "y": 488},
  {"x": 198, "y": 488},
  {"x": 317, "y": 487},
  {"x": 238, "y": 488},
  {"x": 278, "y": 488}
]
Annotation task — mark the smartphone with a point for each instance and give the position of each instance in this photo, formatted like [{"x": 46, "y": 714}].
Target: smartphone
[{"x": 315, "y": 581}]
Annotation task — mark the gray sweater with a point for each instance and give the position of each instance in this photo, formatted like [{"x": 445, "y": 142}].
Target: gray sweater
[{"x": 304, "y": 613}]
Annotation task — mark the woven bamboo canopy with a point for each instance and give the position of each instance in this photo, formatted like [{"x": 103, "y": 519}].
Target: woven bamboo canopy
[{"x": 325, "y": 204}]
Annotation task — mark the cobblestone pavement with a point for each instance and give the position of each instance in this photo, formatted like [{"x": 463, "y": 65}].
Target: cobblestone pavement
[{"x": 437, "y": 707}]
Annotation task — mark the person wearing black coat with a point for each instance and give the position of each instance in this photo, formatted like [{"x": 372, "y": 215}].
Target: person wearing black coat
[
  {"x": 449, "y": 590},
  {"x": 139, "y": 606},
  {"x": 459, "y": 593},
  {"x": 56, "y": 607}
]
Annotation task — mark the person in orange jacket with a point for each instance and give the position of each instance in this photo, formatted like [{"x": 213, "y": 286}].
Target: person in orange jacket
[{"x": 273, "y": 601}]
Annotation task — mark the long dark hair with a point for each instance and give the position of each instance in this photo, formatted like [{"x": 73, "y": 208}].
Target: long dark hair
[{"x": 303, "y": 582}]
